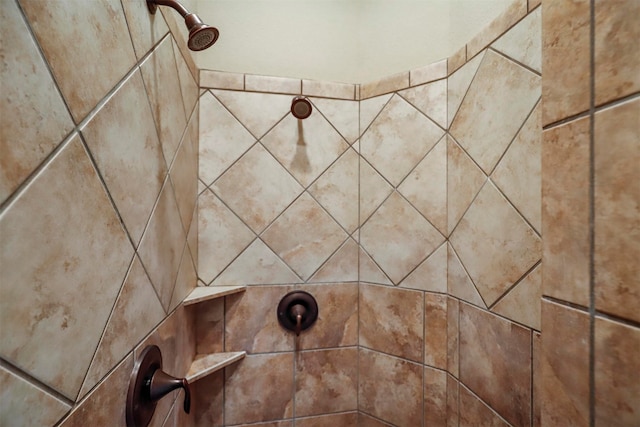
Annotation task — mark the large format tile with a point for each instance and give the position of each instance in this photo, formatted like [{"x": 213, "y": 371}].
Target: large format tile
[
  {"x": 184, "y": 173},
  {"x": 369, "y": 110},
  {"x": 431, "y": 275},
  {"x": 208, "y": 400},
  {"x": 473, "y": 412},
  {"x": 431, "y": 99},
  {"x": 146, "y": 29},
  {"x": 369, "y": 271},
  {"x": 54, "y": 295},
  {"x": 343, "y": 115},
  {"x": 85, "y": 63},
  {"x": 341, "y": 267},
  {"x": 29, "y": 96},
  {"x": 524, "y": 41},
  {"x": 458, "y": 85},
  {"x": 522, "y": 303},
  {"x": 188, "y": 85},
  {"x": 435, "y": 397}
]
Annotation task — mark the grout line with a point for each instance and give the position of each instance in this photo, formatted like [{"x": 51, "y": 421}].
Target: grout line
[
  {"x": 592, "y": 299},
  {"x": 33, "y": 381},
  {"x": 508, "y": 58},
  {"x": 515, "y": 284}
]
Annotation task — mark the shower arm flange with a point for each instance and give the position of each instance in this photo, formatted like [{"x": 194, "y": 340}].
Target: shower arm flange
[{"x": 153, "y": 6}]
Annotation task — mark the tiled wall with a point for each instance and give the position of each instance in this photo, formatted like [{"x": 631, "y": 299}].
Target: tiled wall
[
  {"x": 591, "y": 214},
  {"x": 98, "y": 191}
]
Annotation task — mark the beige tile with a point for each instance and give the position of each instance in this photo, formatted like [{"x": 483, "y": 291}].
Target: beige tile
[
  {"x": 162, "y": 244},
  {"x": 617, "y": 374},
  {"x": 184, "y": 174},
  {"x": 457, "y": 59},
  {"x": 128, "y": 155},
  {"x": 524, "y": 41},
  {"x": 565, "y": 59},
  {"x": 341, "y": 267},
  {"x": 209, "y": 325},
  {"x": 431, "y": 275},
  {"x": 398, "y": 237},
  {"x": 96, "y": 63},
  {"x": 459, "y": 284},
  {"x": 384, "y": 85},
  {"x": 499, "y": 100},
  {"x": 221, "y": 80},
  {"x": 326, "y": 381},
  {"x": 358, "y": 96},
  {"x": 379, "y": 372},
  {"x": 515, "y": 11},
  {"x": 564, "y": 364},
  {"x": 474, "y": 412},
  {"x": 431, "y": 99},
  {"x": 617, "y": 210},
  {"x": 426, "y": 186},
  {"x": 391, "y": 320},
  {"x": 374, "y": 190},
  {"x": 369, "y": 110},
  {"x": 464, "y": 181},
  {"x": 537, "y": 379},
  {"x": 29, "y": 95},
  {"x": 136, "y": 312},
  {"x": 453, "y": 341},
  {"x": 285, "y": 423},
  {"x": 435, "y": 397},
  {"x": 337, "y": 190},
  {"x": 565, "y": 212},
  {"x": 428, "y": 73},
  {"x": 365, "y": 420},
  {"x": 495, "y": 362},
  {"x": 337, "y": 324},
  {"x": 272, "y": 84},
  {"x": 305, "y": 147},
  {"x": 258, "y": 112},
  {"x": 533, "y": 4},
  {"x": 54, "y": 296},
  {"x": 331, "y": 420},
  {"x": 260, "y": 388},
  {"x": 161, "y": 79},
  {"x": 256, "y": 265},
  {"x": 518, "y": 173},
  {"x": 398, "y": 139},
  {"x": 458, "y": 85},
  {"x": 251, "y": 323},
  {"x": 304, "y": 245},
  {"x": 617, "y": 42},
  {"x": 435, "y": 330},
  {"x": 208, "y": 400},
  {"x": 328, "y": 89},
  {"x": 370, "y": 272},
  {"x": 192, "y": 236},
  {"x": 222, "y": 139},
  {"x": 185, "y": 282},
  {"x": 453, "y": 392},
  {"x": 146, "y": 30},
  {"x": 495, "y": 244},
  {"x": 522, "y": 303},
  {"x": 343, "y": 115},
  {"x": 24, "y": 404},
  {"x": 257, "y": 188},
  {"x": 188, "y": 85},
  {"x": 176, "y": 24},
  {"x": 221, "y": 236}
]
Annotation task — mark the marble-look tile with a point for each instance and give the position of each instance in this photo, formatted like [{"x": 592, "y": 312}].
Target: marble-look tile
[
  {"x": 564, "y": 366},
  {"x": 96, "y": 63},
  {"x": 146, "y": 30},
  {"x": 453, "y": 391},
  {"x": 188, "y": 85},
  {"x": 435, "y": 397},
  {"x": 565, "y": 59},
  {"x": 365, "y": 420},
  {"x": 464, "y": 181},
  {"x": 221, "y": 80},
  {"x": 369, "y": 270},
  {"x": 162, "y": 244},
  {"x": 518, "y": 173},
  {"x": 251, "y": 323},
  {"x": 136, "y": 312},
  {"x": 435, "y": 330},
  {"x": 565, "y": 211},
  {"x": 208, "y": 400},
  {"x": 473, "y": 412},
  {"x": 256, "y": 265},
  {"x": 53, "y": 294},
  {"x": 331, "y": 420},
  {"x": 343, "y": 115},
  {"x": 329, "y": 89},
  {"x": 457, "y": 59},
  {"x": 617, "y": 210},
  {"x": 257, "y": 188},
  {"x": 369, "y": 110},
  {"x": 459, "y": 284},
  {"x": 617, "y": 42},
  {"x": 304, "y": 244},
  {"x": 398, "y": 139},
  {"x": 184, "y": 174},
  {"x": 209, "y": 326},
  {"x": 221, "y": 236},
  {"x": 29, "y": 95},
  {"x": 176, "y": 25},
  {"x": 458, "y": 85},
  {"x": 337, "y": 324},
  {"x": 129, "y": 155},
  {"x": 305, "y": 147},
  {"x": 453, "y": 335},
  {"x": 431, "y": 275},
  {"x": 522, "y": 303},
  {"x": 23, "y": 404},
  {"x": 495, "y": 244},
  {"x": 533, "y": 4},
  {"x": 617, "y": 373},
  {"x": 392, "y": 321},
  {"x": 341, "y": 267},
  {"x": 161, "y": 79},
  {"x": 515, "y": 11},
  {"x": 499, "y": 100},
  {"x": 374, "y": 190},
  {"x": 326, "y": 381},
  {"x": 398, "y": 237},
  {"x": 258, "y": 112},
  {"x": 537, "y": 379},
  {"x": 495, "y": 362},
  {"x": 261, "y": 388},
  {"x": 222, "y": 139},
  {"x": 428, "y": 73},
  {"x": 524, "y": 42},
  {"x": 272, "y": 84},
  {"x": 426, "y": 186},
  {"x": 384, "y": 85},
  {"x": 379, "y": 372},
  {"x": 431, "y": 99},
  {"x": 186, "y": 281}
]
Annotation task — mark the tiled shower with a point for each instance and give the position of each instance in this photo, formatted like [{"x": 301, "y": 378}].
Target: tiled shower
[{"x": 427, "y": 212}]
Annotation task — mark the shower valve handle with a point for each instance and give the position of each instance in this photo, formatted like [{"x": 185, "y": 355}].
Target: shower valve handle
[
  {"x": 162, "y": 384},
  {"x": 298, "y": 311}
]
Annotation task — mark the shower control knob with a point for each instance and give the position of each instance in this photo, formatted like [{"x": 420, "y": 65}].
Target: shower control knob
[{"x": 297, "y": 311}]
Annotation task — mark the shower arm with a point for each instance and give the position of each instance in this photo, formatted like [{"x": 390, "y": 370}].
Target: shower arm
[{"x": 153, "y": 4}]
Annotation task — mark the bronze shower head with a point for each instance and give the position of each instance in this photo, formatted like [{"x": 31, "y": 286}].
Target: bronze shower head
[{"x": 201, "y": 35}]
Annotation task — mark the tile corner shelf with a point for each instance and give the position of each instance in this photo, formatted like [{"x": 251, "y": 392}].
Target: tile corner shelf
[
  {"x": 205, "y": 293},
  {"x": 205, "y": 364}
]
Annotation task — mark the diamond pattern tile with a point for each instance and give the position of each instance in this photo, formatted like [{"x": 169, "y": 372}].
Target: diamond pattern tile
[
  {"x": 464, "y": 181},
  {"x": 431, "y": 99},
  {"x": 522, "y": 303},
  {"x": 257, "y": 188},
  {"x": 524, "y": 41},
  {"x": 458, "y": 85},
  {"x": 398, "y": 237},
  {"x": 343, "y": 115},
  {"x": 431, "y": 275},
  {"x": 341, "y": 267},
  {"x": 369, "y": 272},
  {"x": 304, "y": 244},
  {"x": 369, "y": 110},
  {"x": 459, "y": 284},
  {"x": 373, "y": 190},
  {"x": 398, "y": 139}
]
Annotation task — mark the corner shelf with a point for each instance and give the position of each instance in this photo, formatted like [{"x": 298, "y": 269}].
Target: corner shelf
[
  {"x": 205, "y": 293},
  {"x": 206, "y": 364}
]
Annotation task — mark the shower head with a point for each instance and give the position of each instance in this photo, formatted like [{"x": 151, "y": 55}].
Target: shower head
[
  {"x": 301, "y": 107},
  {"x": 201, "y": 35}
]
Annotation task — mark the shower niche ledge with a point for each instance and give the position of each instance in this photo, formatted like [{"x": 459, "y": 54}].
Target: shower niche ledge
[{"x": 206, "y": 293}]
